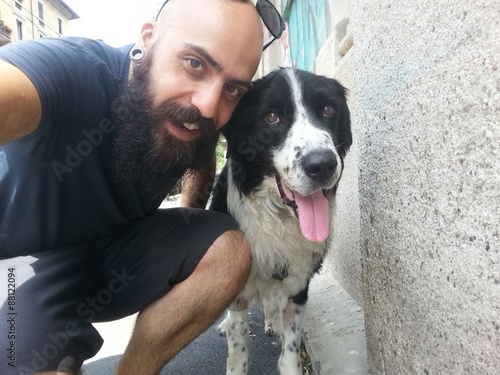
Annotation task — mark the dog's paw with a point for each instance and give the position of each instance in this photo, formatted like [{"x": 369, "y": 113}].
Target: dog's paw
[
  {"x": 294, "y": 368},
  {"x": 269, "y": 330},
  {"x": 271, "y": 325},
  {"x": 222, "y": 327}
]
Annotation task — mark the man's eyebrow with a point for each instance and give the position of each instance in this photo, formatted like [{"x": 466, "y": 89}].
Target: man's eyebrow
[
  {"x": 204, "y": 53},
  {"x": 214, "y": 64}
]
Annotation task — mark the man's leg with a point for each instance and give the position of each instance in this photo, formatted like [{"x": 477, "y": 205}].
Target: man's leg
[
  {"x": 51, "y": 298},
  {"x": 39, "y": 297},
  {"x": 167, "y": 325},
  {"x": 180, "y": 267}
]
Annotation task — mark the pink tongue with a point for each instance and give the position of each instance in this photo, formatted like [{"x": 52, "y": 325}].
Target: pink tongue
[{"x": 314, "y": 216}]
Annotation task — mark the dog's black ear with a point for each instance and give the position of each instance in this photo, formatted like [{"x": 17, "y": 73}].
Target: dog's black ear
[
  {"x": 233, "y": 131},
  {"x": 242, "y": 117},
  {"x": 344, "y": 126}
]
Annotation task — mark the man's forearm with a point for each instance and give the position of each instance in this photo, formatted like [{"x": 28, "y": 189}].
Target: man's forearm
[{"x": 197, "y": 185}]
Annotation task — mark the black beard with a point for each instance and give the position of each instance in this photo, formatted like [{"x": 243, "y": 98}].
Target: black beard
[{"x": 147, "y": 155}]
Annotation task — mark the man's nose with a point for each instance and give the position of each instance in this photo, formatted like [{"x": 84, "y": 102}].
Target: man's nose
[{"x": 207, "y": 99}]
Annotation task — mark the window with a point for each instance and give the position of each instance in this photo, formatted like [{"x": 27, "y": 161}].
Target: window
[
  {"x": 19, "y": 29},
  {"x": 41, "y": 18},
  {"x": 59, "y": 25},
  {"x": 19, "y": 5}
]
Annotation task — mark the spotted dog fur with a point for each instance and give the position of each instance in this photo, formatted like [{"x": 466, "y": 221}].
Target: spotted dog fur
[{"x": 287, "y": 140}]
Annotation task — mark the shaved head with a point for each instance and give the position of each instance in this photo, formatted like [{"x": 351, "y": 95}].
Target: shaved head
[{"x": 238, "y": 19}]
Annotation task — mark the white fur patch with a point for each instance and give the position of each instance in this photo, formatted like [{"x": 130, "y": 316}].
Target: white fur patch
[{"x": 303, "y": 137}]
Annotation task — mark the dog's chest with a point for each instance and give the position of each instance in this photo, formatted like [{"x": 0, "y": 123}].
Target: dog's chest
[{"x": 279, "y": 250}]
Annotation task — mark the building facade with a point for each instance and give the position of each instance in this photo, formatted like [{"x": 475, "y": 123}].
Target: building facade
[{"x": 33, "y": 19}]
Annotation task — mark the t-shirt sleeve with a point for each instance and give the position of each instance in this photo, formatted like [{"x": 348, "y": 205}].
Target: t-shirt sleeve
[{"x": 66, "y": 77}]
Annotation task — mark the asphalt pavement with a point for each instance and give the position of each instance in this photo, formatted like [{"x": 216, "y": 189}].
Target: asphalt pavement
[{"x": 204, "y": 356}]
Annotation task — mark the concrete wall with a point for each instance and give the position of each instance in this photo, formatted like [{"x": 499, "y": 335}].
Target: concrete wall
[
  {"x": 344, "y": 260},
  {"x": 427, "y": 105},
  {"x": 418, "y": 218}
]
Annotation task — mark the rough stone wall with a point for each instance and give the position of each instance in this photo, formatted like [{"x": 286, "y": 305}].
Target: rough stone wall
[
  {"x": 426, "y": 78},
  {"x": 344, "y": 260}
]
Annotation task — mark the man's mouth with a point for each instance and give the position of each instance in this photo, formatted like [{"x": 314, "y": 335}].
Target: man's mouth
[
  {"x": 185, "y": 131},
  {"x": 312, "y": 211},
  {"x": 191, "y": 126}
]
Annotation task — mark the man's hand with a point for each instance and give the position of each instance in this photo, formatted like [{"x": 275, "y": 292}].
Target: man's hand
[{"x": 197, "y": 185}]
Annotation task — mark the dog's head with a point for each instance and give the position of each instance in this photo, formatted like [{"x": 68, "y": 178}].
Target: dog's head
[{"x": 292, "y": 126}]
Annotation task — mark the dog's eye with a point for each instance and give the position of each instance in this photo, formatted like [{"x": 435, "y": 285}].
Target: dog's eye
[
  {"x": 271, "y": 118},
  {"x": 328, "y": 111}
]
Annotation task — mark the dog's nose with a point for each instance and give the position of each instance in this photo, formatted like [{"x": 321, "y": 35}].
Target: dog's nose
[{"x": 320, "y": 165}]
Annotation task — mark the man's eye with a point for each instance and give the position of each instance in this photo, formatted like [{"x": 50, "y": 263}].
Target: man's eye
[
  {"x": 271, "y": 118},
  {"x": 195, "y": 64},
  {"x": 233, "y": 91}
]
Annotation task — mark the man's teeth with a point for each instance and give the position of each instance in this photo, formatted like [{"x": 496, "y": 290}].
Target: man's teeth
[{"x": 190, "y": 126}]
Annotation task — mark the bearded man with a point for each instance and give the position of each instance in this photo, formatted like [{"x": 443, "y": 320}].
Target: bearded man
[{"x": 93, "y": 139}]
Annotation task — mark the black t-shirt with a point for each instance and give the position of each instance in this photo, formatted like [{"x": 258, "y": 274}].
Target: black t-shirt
[{"x": 57, "y": 185}]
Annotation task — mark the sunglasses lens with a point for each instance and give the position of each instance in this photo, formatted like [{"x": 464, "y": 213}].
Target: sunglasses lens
[{"x": 271, "y": 18}]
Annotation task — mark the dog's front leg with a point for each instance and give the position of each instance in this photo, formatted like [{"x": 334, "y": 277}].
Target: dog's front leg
[
  {"x": 273, "y": 310},
  {"x": 237, "y": 332},
  {"x": 290, "y": 363}
]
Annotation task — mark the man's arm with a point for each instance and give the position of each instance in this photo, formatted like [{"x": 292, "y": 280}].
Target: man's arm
[
  {"x": 20, "y": 107},
  {"x": 197, "y": 185}
]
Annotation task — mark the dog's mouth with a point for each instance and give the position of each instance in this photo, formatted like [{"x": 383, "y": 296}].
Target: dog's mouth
[{"x": 312, "y": 211}]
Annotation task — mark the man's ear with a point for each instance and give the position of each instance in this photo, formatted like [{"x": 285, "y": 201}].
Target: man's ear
[{"x": 148, "y": 34}]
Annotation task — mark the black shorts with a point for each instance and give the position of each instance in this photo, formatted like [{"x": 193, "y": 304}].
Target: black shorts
[{"x": 50, "y": 299}]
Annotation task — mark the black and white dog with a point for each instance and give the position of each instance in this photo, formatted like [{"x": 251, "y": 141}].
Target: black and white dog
[{"x": 286, "y": 143}]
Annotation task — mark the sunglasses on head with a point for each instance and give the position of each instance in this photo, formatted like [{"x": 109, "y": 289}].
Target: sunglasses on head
[{"x": 269, "y": 15}]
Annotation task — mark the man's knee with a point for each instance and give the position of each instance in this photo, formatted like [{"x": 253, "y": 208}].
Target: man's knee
[{"x": 231, "y": 256}]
